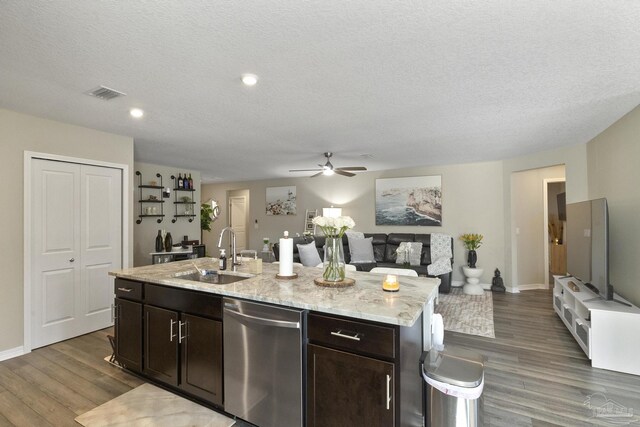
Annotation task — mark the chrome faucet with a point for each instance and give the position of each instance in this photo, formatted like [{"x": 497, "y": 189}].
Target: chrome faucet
[{"x": 234, "y": 257}]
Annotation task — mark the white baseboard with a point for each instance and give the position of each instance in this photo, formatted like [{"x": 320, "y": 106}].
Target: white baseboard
[
  {"x": 11, "y": 353},
  {"x": 460, "y": 283},
  {"x": 532, "y": 286},
  {"x": 512, "y": 290}
]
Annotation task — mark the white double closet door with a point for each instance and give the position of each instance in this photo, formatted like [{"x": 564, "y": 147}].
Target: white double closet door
[{"x": 76, "y": 234}]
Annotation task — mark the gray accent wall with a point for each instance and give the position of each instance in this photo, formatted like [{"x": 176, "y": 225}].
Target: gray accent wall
[
  {"x": 614, "y": 173},
  {"x": 472, "y": 202}
]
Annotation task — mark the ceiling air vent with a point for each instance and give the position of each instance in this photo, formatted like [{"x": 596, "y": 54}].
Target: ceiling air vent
[{"x": 105, "y": 93}]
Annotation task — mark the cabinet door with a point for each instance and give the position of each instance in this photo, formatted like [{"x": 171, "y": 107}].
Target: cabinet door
[
  {"x": 201, "y": 367},
  {"x": 161, "y": 344},
  {"x": 128, "y": 331},
  {"x": 345, "y": 389}
]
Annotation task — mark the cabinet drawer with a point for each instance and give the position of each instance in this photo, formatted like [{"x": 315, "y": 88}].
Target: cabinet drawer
[
  {"x": 186, "y": 301},
  {"x": 360, "y": 337},
  {"x": 128, "y": 289}
]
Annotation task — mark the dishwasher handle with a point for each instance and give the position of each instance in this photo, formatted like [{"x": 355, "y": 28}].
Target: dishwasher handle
[{"x": 262, "y": 320}]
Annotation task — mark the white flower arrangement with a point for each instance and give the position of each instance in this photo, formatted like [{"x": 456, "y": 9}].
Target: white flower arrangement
[{"x": 334, "y": 227}]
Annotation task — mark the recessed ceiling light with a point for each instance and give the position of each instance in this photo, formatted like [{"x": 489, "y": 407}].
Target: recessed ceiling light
[
  {"x": 136, "y": 112},
  {"x": 249, "y": 79}
]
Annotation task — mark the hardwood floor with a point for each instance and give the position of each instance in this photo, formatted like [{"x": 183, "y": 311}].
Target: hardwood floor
[
  {"x": 535, "y": 374},
  {"x": 52, "y": 385}
]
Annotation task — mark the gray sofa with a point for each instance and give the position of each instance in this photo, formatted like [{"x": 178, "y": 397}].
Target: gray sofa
[{"x": 384, "y": 250}]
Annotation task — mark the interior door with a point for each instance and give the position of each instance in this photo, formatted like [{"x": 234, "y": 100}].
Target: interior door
[
  {"x": 55, "y": 279},
  {"x": 238, "y": 220},
  {"x": 101, "y": 242},
  {"x": 76, "y": 234}
]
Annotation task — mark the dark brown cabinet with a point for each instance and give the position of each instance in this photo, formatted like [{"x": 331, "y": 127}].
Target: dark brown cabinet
[
  {"x": 351, "y": 373},
  {"x": 161, "y": 344},
  {"x": 345, "y": 389},
  {"x": 127, "y": 316},
  {"x": 183, "y": 341},
  {"x": 201, "y": 367},
  {"x": 128, "y": 333}
]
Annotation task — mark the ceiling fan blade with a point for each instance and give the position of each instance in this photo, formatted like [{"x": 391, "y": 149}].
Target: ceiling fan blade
[
  {"x": 316, "y": 174},
  {"x": 352, "y": 168},
  {"x": 343, "y": 173},
  {"x": 304, "y": 170}
]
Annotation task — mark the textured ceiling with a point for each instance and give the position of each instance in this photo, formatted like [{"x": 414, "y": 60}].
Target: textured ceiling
[{"x": 411, "y": 83}]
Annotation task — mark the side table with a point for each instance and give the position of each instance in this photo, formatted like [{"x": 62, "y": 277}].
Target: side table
[{"x": 472, "y": 286}]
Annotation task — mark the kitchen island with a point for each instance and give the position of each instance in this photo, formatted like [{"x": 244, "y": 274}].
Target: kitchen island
[{"x": 353, "y": 337}]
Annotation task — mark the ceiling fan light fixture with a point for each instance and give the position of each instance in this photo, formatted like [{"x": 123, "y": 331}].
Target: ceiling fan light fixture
[{"x": 327, "y": 172}]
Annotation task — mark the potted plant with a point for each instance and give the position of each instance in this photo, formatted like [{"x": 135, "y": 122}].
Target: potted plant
[{"x": 471, "y": 242}]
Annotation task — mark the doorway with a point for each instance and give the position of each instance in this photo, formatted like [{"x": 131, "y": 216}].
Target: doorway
[
  {"x": 555, "y": 219},
  {"x": 238, "y": 207},
  {"x": 74, "y": 234},
  {"x": 529, "y": 234}
]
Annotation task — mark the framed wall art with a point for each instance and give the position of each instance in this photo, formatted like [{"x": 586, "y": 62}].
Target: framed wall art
[
  {"x": 409, "y": 201},
  {"x": 281, "y": 200}
]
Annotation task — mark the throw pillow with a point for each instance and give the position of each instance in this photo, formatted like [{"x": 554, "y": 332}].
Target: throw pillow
[
  {"x": 409, "y": 252},
  {"x": 361, "y": 250},
  {"x": 309, "y": 254}
]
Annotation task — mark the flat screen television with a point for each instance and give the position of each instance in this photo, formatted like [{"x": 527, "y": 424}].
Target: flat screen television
[{"x": 587, "y": 243}]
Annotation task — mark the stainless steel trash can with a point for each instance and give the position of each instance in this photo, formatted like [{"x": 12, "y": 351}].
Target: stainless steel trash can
[{"x": 454, "y": 381}]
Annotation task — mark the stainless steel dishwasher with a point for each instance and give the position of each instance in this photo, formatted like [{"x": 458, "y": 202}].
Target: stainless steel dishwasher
[{"x": 263, "y": 363}]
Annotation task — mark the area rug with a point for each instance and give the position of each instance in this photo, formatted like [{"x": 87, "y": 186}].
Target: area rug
[
  {"x": 468, "y": 314},
  {"x": 150, "y": 406}
]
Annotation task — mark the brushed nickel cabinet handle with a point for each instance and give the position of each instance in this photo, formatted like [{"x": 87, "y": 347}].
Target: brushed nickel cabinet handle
[
  {"x": 171, "y": 334},
  {"x": 349, "y": 337},
  {"x": 388, "y": 391},
  {"x": 125, "y": 289},
  {"x": 180, "y": 336}
]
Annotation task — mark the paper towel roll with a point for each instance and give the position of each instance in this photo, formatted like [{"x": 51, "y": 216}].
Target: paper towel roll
[
  {"x": 286, "y": 256},
  {"x": 437, "y": 331}
]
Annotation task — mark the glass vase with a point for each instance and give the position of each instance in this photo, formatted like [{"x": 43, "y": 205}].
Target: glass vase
[{"x": 333, "y": 260}]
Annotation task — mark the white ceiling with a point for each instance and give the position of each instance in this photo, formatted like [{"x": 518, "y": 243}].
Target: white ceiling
[{"x": 411, "y": 83}]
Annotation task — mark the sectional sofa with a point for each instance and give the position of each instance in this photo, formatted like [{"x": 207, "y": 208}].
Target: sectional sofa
[{"x": 384, "y": 250}]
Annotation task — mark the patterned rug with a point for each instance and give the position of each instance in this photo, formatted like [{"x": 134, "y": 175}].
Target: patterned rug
[{"x": 468, "y": 314}]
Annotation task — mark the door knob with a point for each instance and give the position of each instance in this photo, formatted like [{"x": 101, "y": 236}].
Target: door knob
[{"x": 72, "y": 259}]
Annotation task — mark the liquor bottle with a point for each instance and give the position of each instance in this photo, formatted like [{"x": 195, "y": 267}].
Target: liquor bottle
[
  {"x": 186, "y": 182},
  {"x": 180, "y": 181},
  {"x": 159, "y": 242},
  {"x": 190, "y": 182}
]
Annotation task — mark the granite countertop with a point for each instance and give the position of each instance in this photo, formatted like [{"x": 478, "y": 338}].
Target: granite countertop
[{"x": 364, "y": 300}]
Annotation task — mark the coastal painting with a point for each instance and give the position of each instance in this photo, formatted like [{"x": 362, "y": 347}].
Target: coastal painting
[
  {"x": 281, "y": 200},
  {"x": 409, "y": 201}
]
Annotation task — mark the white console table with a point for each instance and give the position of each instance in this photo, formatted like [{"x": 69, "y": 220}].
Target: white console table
[{"x": 606, "y": 330}]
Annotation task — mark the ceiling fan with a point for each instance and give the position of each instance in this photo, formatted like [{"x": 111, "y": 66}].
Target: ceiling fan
[{"x": 328, "y": 169}]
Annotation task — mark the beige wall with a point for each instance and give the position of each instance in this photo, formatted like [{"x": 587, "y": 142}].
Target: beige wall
[
  {"x": 20, "y": 133},
  {"x": 575, "y": 160},
  {"x": 471, "y": 198},
  {"x": 527, "y": 196},
  {"x": 614, "y": 173},
  {"x": 145, "y": 233}
]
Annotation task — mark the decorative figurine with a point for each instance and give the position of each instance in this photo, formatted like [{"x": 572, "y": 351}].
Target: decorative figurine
[{"x": 497, "y": 284}]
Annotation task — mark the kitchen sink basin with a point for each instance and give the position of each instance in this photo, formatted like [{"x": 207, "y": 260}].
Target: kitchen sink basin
[{"x": 215, "y": 278}]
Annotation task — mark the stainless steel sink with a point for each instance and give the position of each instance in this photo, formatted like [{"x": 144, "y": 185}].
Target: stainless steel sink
[{"x": 215, "y": 278}]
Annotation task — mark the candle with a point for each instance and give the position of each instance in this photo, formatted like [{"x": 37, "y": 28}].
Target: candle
[
  {"x": 390, "y": 283},
  {"x": 286, "y": 255}
]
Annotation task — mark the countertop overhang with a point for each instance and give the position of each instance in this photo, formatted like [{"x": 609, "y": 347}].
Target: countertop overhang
[{"x": 365, "y": 300}]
